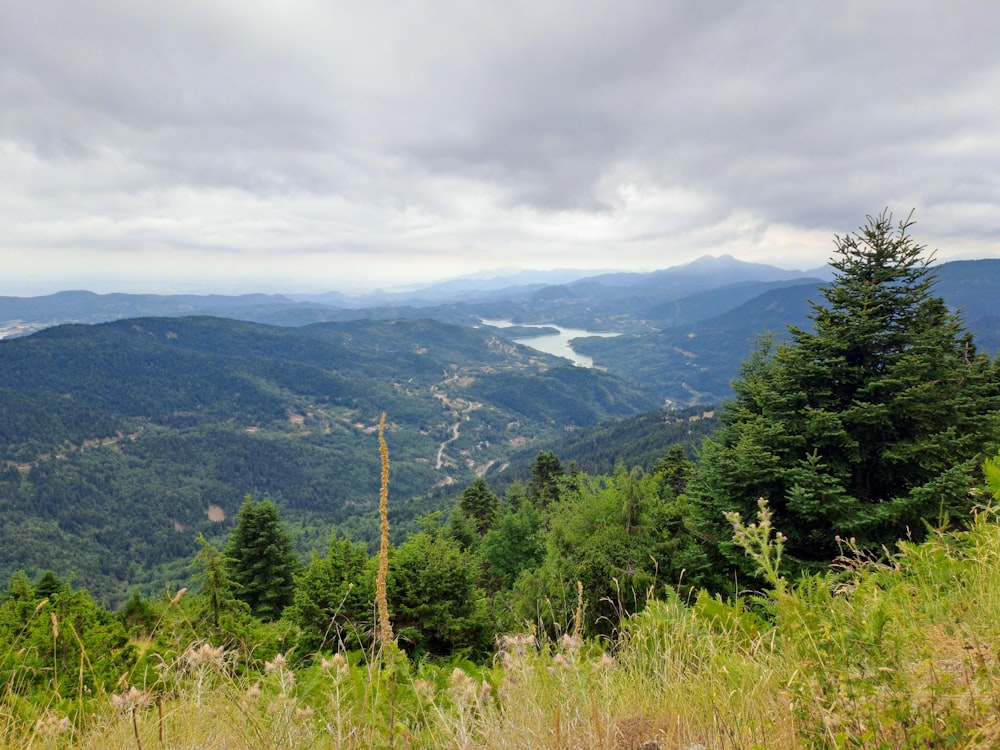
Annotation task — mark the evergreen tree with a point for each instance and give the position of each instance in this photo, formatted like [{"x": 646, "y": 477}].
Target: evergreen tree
[
  {"x": 435, "y": 598},
  {"x": 49, "y": 585},
  {"x": 613, "y": 535},
  {"x": 263, "y": 562},
  {"x": 216, "y": 583},
  {"x": 479, "y": 504},
  {"x": 546, "y": 471},
  {"x": 515, "y": 542},
  {"x": 462, "y": 529},
  {"x": 138, "y": 615},
  {"x": 333, "y": 599},
  {"x": 673, "y": 470},
  {"x": 867, "y": 426}
]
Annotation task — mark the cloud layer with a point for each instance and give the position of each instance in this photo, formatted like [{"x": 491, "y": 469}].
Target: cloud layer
[{"x": 308, "y": 145}]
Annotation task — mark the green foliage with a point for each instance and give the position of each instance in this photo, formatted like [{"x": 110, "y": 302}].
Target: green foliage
[
  {"x": 673, "y": 469},
  {"x": 435, "y": 601},
  {"x": 64, "y": 644},
  {"x": 514, "y": 543},
  {"x": 546, "y": 472},
  {"x": 867, "y": 427},
  {"x": 263, "y": 563},
  {"x": 138, "y": 615},
  {"x": 761, "y": 543},
  {"x": 479, "y": 504},
  {"x": 214, "y": 573},
  {"x": 332, "y": 608},
  {"x": 125, "y": 433},
  {"x": 635, "y": 442},
  {"x": 607, "y": 533},
  {"x": 895, "y": 653}
]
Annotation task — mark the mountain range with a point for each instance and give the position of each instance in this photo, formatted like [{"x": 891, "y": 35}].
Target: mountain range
[
  {"x": 683, "y": 329},
  {"x": 129, "y": 424}
]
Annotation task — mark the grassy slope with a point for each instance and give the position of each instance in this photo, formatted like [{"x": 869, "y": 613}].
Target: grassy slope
[{"x": 871, "y": 656}]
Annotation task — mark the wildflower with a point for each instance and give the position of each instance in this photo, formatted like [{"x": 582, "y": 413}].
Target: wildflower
[
  {"x": 205, "y": 656},
  {"x": 561, "y": 661},
  {"x": 605, "y": 663},
  {"x": 337, "y": 664},
  {"x": 254, "y": 690},
  {"x": 424, "y": 689},
  {"x": 571, "y": 642},
  {"x": 463, "y": 687},
  {"x": 50, "y": 723},
  {"x": 130, "y": 700},
  {"x": 279, "y": 664},
  {"x": 303, "y": 713},
  {"x": 517, "y": 645}
]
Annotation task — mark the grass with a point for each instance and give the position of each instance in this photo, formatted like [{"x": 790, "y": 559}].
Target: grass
[{"x": 873, "y": 655}]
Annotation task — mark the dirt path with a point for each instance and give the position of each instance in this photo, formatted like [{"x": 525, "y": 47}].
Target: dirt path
[{"x": 452, "y": 439}]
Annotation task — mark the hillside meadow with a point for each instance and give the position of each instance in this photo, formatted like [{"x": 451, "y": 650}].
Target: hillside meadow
[{"x": 893, "y": 654}]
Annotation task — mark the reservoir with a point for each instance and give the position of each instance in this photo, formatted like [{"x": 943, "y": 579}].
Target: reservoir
[{"x": 559, "y": 344}]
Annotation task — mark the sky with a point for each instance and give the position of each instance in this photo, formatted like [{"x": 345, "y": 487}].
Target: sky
[{"x": 316, "y": 145}]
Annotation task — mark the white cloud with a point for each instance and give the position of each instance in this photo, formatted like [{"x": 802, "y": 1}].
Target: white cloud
[{"x": 259, "y": 145}]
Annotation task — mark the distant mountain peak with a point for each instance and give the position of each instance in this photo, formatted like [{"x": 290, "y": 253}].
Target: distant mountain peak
[{"x": 706, "y": 260}]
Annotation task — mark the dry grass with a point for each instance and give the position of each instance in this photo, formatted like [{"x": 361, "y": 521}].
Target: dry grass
[{"x": 898, "y": 655}]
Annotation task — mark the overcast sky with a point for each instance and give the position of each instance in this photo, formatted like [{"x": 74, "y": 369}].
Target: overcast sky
[{"x": 311, "y": 145}]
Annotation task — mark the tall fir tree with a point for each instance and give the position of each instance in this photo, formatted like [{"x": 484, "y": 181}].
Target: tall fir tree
[
  {"x": 868, "y": 426},
  {"x": 546, "y": 472},
  {"x": 480, "y": 505},
  {"x": 263, "y": 563}
]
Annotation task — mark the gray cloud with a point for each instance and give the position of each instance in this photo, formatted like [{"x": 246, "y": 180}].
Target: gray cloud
[{"x": 320, "y": 144}]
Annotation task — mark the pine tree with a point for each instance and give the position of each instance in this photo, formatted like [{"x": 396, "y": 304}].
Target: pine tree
[
  {"x": 868, "y": 426},
  {"x": 546, "y": 472},
  {"x": 263, "y": 562},
  {"x": 479, "y": 504}
]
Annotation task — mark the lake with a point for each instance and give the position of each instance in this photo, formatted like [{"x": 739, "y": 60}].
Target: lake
[{"x": 559, "y": 344}]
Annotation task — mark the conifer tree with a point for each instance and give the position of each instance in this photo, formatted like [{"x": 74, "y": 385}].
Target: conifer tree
[
  {"x": 514, "y": 542},
  {"x": 868, "y": 426},
  {"x": 479, "y": 504},
  {"x": 263, "y": 561},
  {"x": 214, "y": 572},
  {"x": 435, "y": 596},
  {"x": 333, "y": 598},
  {"x": 546, "y": 471}
]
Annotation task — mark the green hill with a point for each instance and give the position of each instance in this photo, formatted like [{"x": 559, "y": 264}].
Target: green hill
[{"x": 123, "y": 441}]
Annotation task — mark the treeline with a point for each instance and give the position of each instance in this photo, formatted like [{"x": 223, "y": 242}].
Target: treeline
[{"x": 493, "y": 565}]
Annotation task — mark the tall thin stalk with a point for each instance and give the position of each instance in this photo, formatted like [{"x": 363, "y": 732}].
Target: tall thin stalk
[{"x": 381, "y": 599}]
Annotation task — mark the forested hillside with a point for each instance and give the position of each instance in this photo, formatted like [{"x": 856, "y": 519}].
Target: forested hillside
[{"x": 123, "y": 441}]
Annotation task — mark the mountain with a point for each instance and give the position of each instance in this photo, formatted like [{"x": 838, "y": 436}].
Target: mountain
[
  {"x": 707, "y": 272},
  {"x": 526, "y": 293},
  {"x": 122, "y": 441},
  {"x": 668, "y": 346},
  {"x": 482, "y": 286},
  {"x": 693, "y": 358},
  {"x": 717, "y": 301}
]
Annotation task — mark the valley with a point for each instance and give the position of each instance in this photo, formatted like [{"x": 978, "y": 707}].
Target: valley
[
  {"x": 559, "y": 344},
  {"x": 122, "y": 440}
]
